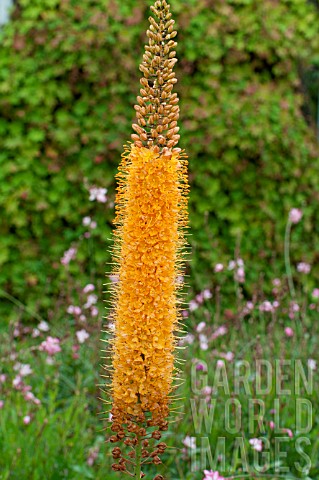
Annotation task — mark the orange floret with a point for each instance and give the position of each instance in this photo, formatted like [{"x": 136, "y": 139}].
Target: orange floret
[{"x": 151, "y": 214}]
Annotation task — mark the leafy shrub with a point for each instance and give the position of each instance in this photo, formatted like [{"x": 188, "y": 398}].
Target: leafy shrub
[{"x": 68, "y": 79}]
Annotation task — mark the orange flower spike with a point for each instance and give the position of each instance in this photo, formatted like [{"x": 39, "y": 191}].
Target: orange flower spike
[{"x": 151, "y": 206}]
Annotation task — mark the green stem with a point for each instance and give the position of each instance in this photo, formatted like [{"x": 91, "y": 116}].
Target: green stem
[
  {"x": 17, "y": 302},
  {"x": 287, "y": 260},
  {"x": 138, "y": 458},
  {"x": 289, "y": 275}
]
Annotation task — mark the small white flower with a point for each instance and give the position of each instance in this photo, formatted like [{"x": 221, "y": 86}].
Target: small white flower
[
  {"x": 200, "y": 327},
  {"x": 207, "y": 294},
  {"x": 43, "y": 326},
  {"x": 98, "y": 194},
  {"x": 90, "y": 301},
  {"x": 24, "y": 369},
  {"x": 35, "y": 332},
  {"x": 231, "y": 265},
  {"x": 203, "y": 342},
  {"x": 190, "y": 442},
  {"x": 82, "y": 335},
  {"x": 240, "y": 262},
  {"x": 193, "y": 305},
  {"x": 312, "y": 364},
  {"x": 256, "y": 444},
  {"x": 187, "y": 340},
  {"x": 86, "y": 221}
]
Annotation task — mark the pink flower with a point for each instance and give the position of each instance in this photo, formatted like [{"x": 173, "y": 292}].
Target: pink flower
[
  {"x": 315, "y": 293},
  {"x": 68, "y": 256},
  {"x": 295, "y": 215},
  {"x": 27, "y": 419},
  {"x": 222, "y": 330},
  {"x": 3, "y": 378},
  {"x": 51, "y": 346},
  {"x": 1, "y": 404},
  {"x": 17, "y": 382},
  {"x": 303, "y": 267},
  {"x": 293, "y": 308},
  {"x": 256, "y": 444},
  {"x": 75, "y": 349},
  {"x": 93, "y": 454},
  {"x": 114, "y": 278},
  {"x": 207, "y": 390},
  {"x": 240, "y": 275},
  {"x": 29, "y": 397},
  {"x": 219, "y": 267},
  {"x": 201, "y": 367},
  {"x": 288, "y": 431},
  {"x": 88, "y": 288},
  {"x": 74, "y": 310},
  {"x": 210, "y": 475},
  {"x": 276, "y": 282},
  {"x": 24, "y": 369},
  {"x": 82, "y": 335},
  {"x": 94, "y": 312},
  {"x": 266, "y": 306},
  {"x": 229, "y": 356},
  {"x": 272, "y": 425},
  {"x": 289, "y": 332},
  {"x": 199, "y": 298},
  {"x": 220, "y": 363}
]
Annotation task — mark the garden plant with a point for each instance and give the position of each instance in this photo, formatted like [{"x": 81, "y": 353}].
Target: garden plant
[{"x": 215, "y": 381}]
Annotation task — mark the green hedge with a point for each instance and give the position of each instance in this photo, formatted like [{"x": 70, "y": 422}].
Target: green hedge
[{"x": 68, "y": 79}]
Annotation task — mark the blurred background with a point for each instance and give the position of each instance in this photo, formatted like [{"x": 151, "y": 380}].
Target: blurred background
[{"x": 248, "y": 75}]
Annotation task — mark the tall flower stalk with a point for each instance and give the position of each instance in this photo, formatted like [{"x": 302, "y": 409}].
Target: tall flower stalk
[{"x": 151, "y": 218}]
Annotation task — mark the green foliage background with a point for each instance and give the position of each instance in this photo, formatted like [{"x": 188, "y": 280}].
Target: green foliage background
[{"x": 68, "y": 79}]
